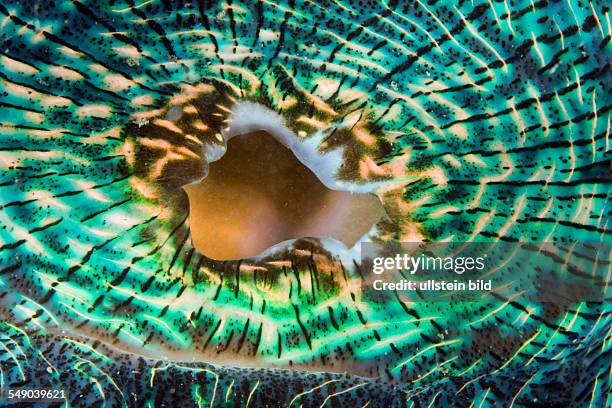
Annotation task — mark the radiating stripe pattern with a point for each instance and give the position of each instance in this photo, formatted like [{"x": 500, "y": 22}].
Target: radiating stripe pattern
[{"x": 479, "y": 120}]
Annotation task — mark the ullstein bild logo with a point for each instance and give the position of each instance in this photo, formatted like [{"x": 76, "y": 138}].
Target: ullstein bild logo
[
  {"x": 431, "y": 284},
  {"x": 477, "y": 271}
]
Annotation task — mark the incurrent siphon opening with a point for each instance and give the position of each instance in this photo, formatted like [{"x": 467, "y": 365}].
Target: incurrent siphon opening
[{"x": 259, "y": 194}]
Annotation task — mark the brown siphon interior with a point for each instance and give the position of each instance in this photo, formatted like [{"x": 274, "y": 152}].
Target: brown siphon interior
[{"x": 259, "y": 194}]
